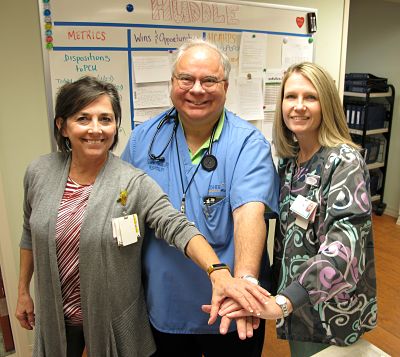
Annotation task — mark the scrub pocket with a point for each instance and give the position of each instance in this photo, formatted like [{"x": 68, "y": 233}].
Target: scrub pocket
[{"x": 216, "y": 218}]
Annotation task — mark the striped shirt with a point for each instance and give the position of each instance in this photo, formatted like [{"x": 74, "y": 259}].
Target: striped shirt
[{"x": 68, "y": 228}]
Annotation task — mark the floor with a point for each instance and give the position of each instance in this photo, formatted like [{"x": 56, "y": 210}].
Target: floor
[{"x": 386, "y": 335}]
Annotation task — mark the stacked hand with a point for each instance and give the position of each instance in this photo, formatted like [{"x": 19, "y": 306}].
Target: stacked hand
[
  {"x": 238, "y": 297},
  {"x": 242, "y": 301},
  {"x": 245, "y": 324}
]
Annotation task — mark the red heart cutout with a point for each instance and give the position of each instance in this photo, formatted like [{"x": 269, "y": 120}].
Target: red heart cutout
[{"x": 300, "y": 21}]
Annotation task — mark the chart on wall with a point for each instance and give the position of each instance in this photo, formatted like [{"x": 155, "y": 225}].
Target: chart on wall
[{"x": 132, "y": 45}]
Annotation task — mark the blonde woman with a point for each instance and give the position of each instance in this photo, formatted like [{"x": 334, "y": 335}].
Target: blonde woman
[{"x": 324, "y": 251}]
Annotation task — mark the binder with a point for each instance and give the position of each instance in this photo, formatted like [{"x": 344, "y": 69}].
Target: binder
[
  {"x": 359, "y": 76},
  {"x": 362, "y": 119},
  {"x": 372, "y": 114},
  {"x": 352, "y": 116},
  {"x": 372, "y": 88},
  {"x": 348, "y": 115},
  {"x": 365, "y": 82},
  {"x": 360, "y": 113}
]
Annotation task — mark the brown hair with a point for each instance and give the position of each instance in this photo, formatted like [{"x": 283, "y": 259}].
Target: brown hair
[{"x": 73, "y": 97}]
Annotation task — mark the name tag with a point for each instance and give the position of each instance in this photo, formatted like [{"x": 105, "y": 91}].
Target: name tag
[
  {"x": 312, "y": 180},
  {"x": 305, "y": 211},
  {"x": 126, "y": 229}
]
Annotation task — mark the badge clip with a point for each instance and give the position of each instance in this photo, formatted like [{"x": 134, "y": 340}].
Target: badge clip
[{"x": 313, "y": 180}]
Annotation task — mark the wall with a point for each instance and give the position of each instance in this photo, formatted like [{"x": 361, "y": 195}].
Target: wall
[
  {"x": 329, "y": 35},
  {"x": 374, "y": 47},
  {"x": 24, "y": 132}
]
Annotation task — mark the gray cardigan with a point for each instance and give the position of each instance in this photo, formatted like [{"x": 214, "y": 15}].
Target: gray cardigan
[{"x": 114, "y": 311}]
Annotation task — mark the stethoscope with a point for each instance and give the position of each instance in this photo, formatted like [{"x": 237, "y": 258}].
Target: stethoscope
[
  {"x": 166, "y": 118},
  {"x": 208, "y": 162}
]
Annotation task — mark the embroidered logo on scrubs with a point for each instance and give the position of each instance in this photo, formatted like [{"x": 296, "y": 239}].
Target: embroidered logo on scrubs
[
  {"x": 217, "y": 188},
  {"x": 157, "y": 165}
]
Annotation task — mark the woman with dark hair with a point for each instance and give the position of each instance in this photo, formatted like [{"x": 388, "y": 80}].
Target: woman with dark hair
[
  {"x": 324, "y": 251},
  {"x": 85, "y": 216}
]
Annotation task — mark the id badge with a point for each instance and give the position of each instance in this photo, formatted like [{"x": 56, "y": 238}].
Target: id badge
[
  {"x": 126, "y": 229},
  {"x": 303, "y": 207},
  {"x": 301, "y": 222},
  {"x": 305, "y": 211}
]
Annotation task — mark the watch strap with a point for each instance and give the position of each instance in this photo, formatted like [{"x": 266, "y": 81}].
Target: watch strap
[
  {"x": 250, "y": 278},
  {"x": 282, "y": 302},
  {"x": 218, "y": 266}
]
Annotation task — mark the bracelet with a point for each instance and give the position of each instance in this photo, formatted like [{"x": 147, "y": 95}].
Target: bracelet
[
  {"x": 218, "y": 266},
  {"x": 250, "y": 278}
]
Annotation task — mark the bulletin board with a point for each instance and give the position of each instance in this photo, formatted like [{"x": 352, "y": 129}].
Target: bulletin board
[{"x": 132, "y": 44}]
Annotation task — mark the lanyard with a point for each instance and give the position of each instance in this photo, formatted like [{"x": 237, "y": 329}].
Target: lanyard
[
  {"x": 292, "y": 174},
  {"x": 185, "y": 190}
]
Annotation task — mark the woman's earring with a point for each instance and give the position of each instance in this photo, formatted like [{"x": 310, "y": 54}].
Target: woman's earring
[{"x": 68, "y": 144}]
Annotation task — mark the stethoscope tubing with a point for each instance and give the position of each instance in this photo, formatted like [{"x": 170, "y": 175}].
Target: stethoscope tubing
[
  {"x": 166, "y": 118},
  {"x": 209, "y": 162}
]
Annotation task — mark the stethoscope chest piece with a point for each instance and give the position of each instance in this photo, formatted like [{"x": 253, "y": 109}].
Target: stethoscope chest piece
[{"x": 209, "y": 162}]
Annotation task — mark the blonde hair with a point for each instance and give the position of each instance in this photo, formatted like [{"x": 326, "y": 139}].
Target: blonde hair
[{"x": 333, "y": 130}]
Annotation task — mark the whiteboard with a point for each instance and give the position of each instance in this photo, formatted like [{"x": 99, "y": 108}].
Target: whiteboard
[{"x": 109, "y": 39}]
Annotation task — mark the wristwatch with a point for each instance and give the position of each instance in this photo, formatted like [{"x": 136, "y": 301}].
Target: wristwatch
[
  {"x": 282, "y": 302},
  {"x": 218, "y": 266},
  {"x": 250, "y": 278}
]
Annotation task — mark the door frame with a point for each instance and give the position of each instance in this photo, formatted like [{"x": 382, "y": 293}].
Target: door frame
[{"x": 22, "y": 340}]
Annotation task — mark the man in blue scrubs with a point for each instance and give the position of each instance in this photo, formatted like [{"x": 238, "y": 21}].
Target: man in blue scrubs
[{"x": 218, "y": 170}]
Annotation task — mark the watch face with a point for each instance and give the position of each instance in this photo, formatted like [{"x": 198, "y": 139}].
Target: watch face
[{"x": 280, "y": 300}]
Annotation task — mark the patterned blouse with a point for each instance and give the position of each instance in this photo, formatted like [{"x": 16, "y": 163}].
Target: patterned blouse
[
  {"x": 327, "y": 270},
  {"x": 68, "y": 229}
]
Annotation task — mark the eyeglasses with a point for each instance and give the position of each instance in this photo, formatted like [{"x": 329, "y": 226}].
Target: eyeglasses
[{"x": 209, "y": 84}]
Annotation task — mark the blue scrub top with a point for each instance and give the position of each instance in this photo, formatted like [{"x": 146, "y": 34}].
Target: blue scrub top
[{"x": 175, "y": 287}]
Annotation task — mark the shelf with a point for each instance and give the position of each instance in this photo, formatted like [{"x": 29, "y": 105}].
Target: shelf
[
  {"x": 375, "y": 198},
  {"x": 375, "y": 165},
  {"x": 361, "y": 134},
  {"x": 369, "y": 132},
  {"x": 371, "y": 95}
]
